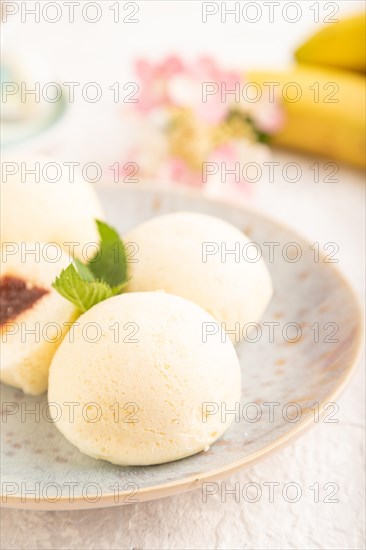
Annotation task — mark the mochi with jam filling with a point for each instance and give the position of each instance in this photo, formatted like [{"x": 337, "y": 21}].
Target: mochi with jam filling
[{"x": 34, "y": 318}]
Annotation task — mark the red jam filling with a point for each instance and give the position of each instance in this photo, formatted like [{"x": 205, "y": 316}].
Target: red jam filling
[{"x": 16, "y": 296}]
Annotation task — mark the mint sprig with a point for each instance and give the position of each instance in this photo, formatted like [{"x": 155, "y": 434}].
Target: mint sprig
[
  {"x": 82, "y": 293},
  {"x": 104, "y": 276},
  {"x": 110, "y": 262}
]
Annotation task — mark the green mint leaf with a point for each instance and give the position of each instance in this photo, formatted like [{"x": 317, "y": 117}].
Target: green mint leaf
[
  {"x": 82, "y": 293},
  {"x": 110, "y": 262},
  {"x": 103, "y": 277},
  {"x": 118, "y": 289},
  {"x": 83, "y": 270}
]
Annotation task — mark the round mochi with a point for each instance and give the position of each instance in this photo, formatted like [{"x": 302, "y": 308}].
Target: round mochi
[
  {"x": 62, "y": 212},
  {"x": 191, "y": 255},
  {"x": 146, "y": 386},
  {"x": 30, "y": 337}
]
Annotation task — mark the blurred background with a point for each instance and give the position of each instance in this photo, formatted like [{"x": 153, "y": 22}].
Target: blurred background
[
  {"x": 257, "y": 102},
  {"x": 152, "y": 61}
]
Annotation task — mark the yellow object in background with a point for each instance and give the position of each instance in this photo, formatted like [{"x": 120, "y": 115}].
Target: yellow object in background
[
  {"x": 340, "y": 45},
  {"x": 324, "y": 111}
]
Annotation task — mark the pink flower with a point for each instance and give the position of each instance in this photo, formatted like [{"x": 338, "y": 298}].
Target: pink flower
[
  {"x": 268, "y": 117},
  {"x": 177, "y": 171},
  {"x": 197, "y": 86},
  {"x": 224, "y": 174},
  {"x": 200, "y": 85},
  {"x": 153, "y": 80},
  {"x": 184, "y": 134}
]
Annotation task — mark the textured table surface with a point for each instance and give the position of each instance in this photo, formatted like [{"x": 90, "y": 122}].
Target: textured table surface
[{"x": 330, "y": 453}]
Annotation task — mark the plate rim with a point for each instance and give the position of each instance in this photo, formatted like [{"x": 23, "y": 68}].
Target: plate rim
[{"x": 194, "y": 482}]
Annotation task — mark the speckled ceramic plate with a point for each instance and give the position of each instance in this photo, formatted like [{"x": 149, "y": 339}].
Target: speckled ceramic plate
[{"x": 300, "y": 367}]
